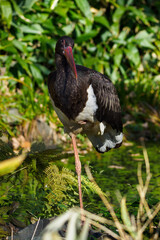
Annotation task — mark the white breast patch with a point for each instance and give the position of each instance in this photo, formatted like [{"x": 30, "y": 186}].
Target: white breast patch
[{"x": 90, "y": 109}]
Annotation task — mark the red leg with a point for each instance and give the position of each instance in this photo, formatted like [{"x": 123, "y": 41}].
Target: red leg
[{"x": 78, "y": 170}]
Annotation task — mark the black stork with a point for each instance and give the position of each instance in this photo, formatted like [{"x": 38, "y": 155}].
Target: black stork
[{"x": 85, "y": 101}]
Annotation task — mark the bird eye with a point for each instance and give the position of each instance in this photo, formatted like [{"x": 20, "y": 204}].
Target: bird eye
[{"x": 63, "y": 41}]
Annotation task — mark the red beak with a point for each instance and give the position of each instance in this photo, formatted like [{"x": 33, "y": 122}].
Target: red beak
[{"x": 69, "y": 56}]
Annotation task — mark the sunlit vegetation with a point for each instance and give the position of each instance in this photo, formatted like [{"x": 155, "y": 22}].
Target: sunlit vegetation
[
  {"x": 127, "y": 225},
  {"x": 118, "y": 38}
]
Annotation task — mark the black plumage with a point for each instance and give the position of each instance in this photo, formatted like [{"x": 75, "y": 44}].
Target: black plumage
[{"x": 77, "y": 91}]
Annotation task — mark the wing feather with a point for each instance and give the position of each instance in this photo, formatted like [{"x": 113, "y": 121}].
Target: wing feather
[{"x": 109, "y": 109}]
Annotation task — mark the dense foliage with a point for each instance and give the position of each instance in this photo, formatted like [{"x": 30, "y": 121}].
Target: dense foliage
[{"x": 120, "y": 38}]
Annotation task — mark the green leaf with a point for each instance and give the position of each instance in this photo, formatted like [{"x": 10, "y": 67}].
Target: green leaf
[
  {"x": 43, "y": 69},
  {"x": 8, "y": 47},
  {"x": 85, "y": 8},
  {"x": 19, "y": 45},
  {"x": 146, "y": 43},
  {"x": 139, "y": 14},
  {"x": 36, "y": 72},
  {"x": 118, "y": 54},
  {"x": 23, "y": 64},
  {"x": 11, "y": 164},
  {"x": 87, "y": 36},
  {"x": 102, "y": 20},
  {"x": 75, "y": 15},
  {"x": 123, "y": 34},
  {"x": 62, "y": 11},
  {"x": 157, "y": 42},
  {"x": 133, "y": 54},
  {"x": 19, "y": 12},
  {"x": 53, "y": 4},
  {"x": 68, "y": 28},
  {"x": 34, "y": 28},
  {"x": 145, "y": 39},
  {"x": 6, "y": 9},
  {"x": 115, "y": 74},
  {"x": 121, "y": 2},
  {"x": 29, "y": 3},
  {"x": 115, "y": 28},
  {"x": 143, "y": 34},
  {"x": 118, "y": 14}
]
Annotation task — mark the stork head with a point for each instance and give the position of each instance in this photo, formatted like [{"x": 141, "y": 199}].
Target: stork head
[{"x": 64, "y": 47}]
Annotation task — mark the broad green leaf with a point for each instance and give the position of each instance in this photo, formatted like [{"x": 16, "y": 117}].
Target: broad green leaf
[
  {"x": 139, "y": 14},
  {"x": 115, "y": 74},
  {"x": 34, "y": 29},
  {"x": 19, "y": 11},
  {"x": 146, "y": 43},
  {"x": 84, "y": 7},
  {"x": 9, "y": 48},
  {"x": 125, "y": 76},
  {"x": 121, "y": 2},
  {"x": 157, "y": 78},
  {"x": 157, "y": 42},
  {"x": 91, "y": 47},
  {"x": 9, "y": 165},
  {"x": 145, "y": 39},
  {"x": 90, "y": 61},
  {"x": 43, "y": 69},
  {"x": 19, "y": 45},
  {"x": 87, "y": 36},
  {"x": 118, "y": 14},
  {"x": 36, "y": 72},
  {"x": 88, "y": 25},
  {"x": 115, "y": 28},
  {"x": 68, "y": 28},
  {"x": 23, "y": 64},
  {"x": 99, "y": 67},
  {"x": 53, "y": 4},
  {"x": 62, "y": 11},
  {"x": 123, "y": 34},
  {"x": 29, "y": 3},
  {"x": 143, "y": 34},
  {"x": 106, "y": 35},
  {"x": 107, "y": 68},
  {"x": 120, "y": 42},
  {"x": 49, "y": 25},
  {"x": 30, "y": 38},
  {"x": 75, "y": 15},
  {"x": 118, "y": 54},
  {"x": 102, "y": 20},
  {"x": 133, "y": 54},
  {"x": 6, "y": 9},
  {"x": 129, "y": 2}
]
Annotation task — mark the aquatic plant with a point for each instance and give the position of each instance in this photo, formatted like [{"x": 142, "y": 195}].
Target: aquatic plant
[{"x": 128, "y": 227}]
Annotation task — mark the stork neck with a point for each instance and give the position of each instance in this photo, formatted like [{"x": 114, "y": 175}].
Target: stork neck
[
  {"x": 62, "y": 65},
  {"x": 65, "y": 79},
  {"x": 60, "y": 62}
]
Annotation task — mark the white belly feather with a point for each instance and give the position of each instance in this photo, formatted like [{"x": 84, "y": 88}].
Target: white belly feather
[{"x": 89, "y": 111}]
